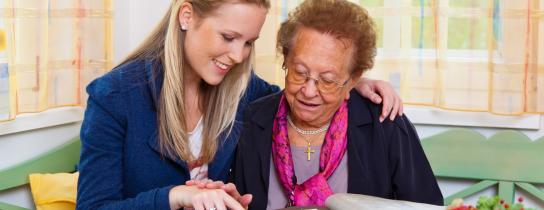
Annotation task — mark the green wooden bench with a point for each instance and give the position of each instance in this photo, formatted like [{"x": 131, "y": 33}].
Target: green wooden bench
[
  {"x": 60, "y": 159},
  {"x": 508, "y": 159}
]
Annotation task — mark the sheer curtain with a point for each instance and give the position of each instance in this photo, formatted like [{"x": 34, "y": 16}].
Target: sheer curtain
[
  {"x": 49, "y": 51},
  {"x": 468, "y": 55}
]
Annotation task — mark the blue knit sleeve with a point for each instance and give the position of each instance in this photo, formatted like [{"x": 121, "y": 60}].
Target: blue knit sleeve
[{"x": 103, "y": 132}]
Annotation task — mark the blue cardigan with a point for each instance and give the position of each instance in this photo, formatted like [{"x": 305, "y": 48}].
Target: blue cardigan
[{"x": 121, "y": 166}]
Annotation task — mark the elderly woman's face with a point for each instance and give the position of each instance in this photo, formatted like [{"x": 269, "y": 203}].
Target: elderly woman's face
[{"x": 325, "y": 58}]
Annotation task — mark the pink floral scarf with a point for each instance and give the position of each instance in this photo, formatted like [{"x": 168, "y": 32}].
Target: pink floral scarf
[{"x": 315, "y": 190}]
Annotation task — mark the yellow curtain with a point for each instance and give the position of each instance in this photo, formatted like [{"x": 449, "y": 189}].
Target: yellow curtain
[
  {"x": 468, "y": 55},
  {"x": 49, "y": 51}
]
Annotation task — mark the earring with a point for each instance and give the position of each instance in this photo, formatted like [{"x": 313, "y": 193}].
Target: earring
[{"x": 184, "y": 27}]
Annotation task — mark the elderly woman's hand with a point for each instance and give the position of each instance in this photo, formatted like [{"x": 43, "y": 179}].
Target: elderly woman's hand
[
  {"x": 229, "y": 188},
  {"x": 380, "y": 91},
  {"x": 184, "y": 196}
]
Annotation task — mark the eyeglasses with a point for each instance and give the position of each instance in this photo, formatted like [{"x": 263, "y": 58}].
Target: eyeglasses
[{"x": 324, "y": 85}]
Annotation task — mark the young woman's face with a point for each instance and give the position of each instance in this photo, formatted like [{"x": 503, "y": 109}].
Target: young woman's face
[{"x": 219, "y": 41}]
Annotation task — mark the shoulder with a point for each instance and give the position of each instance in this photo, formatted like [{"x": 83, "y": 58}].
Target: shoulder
[
  {"x": 256, "y": 82},
  {"x": 122, "y": 78},
  {"x": 259, "y": 115},
  {"x": 257, "y": 88},
  {"x": 365, "y": 111},
  {"x": 265, "y": 104}
]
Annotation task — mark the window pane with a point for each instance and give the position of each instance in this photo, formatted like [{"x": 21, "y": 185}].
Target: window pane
[
  {"x": 423, "y": 32},
  {"x": 379, "y": 31},
  {"x": 419, "y": 3},
  {"x": 371, "y": 3},
  {"x": 467, "y": 33},
  {"x": 468, "y": 3},
  {"x": 4, "y": 94},
  {"x": 4, "y": 75}
]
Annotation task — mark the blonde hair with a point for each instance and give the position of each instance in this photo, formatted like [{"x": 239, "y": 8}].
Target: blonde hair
[{"x": 218, "y": 103}]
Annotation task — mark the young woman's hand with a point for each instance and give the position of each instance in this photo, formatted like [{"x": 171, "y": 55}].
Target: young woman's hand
[
  {"x": 229, "y": 188},
  {"x": 379, "y": 91},
  {"x": 184, "y": 196}
]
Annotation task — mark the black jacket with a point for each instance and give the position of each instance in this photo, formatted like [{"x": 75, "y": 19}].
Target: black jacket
[{"x": 384, "y": 159}]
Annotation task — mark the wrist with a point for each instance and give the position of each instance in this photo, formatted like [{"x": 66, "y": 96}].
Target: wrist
[{"x": 177, "y": 197}]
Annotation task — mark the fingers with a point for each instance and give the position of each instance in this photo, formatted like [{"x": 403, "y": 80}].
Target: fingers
[
  {"x": 378, "y": 92},
  {"x": 191, "y": 182},
  {"x": 207, "y": 183},
  {"x": 231, "y": 203},
  {"x": 219, "y": 204},
  {"x": 401, "y": 109},
  {"x": 231, "y": 190},
  {"x": 245, "y": 200},
  {"x": 208, "y": 200},
  {"x": 210, "y": 194},
  {"x": 367, "y": 91},
  {"x": 392, "y": 103},
  {"x": 384, "y": 114},
  {"x": 375, "y": 98},
  {"x": 214, "y": 198},
  {"x": 394, "y": 110},
  {"x": 386, "y": 108},
  {"x": 210, "y": 203},
  {"x": 200, "y": 183},
  {"x": 197, "y": 203},
  {"x": 214, "y": 185}
]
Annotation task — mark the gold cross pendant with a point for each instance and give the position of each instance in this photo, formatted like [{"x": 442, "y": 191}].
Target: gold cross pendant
[{"x": 309, "y": 151}]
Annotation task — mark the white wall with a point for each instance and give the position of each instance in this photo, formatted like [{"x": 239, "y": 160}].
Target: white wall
[
  {"x": 18, "y": 147},
  {"x": 133, "y": 20}
]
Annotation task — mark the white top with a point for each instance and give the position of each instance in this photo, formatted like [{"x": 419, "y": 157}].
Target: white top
[{"x": 198, "y": 171}]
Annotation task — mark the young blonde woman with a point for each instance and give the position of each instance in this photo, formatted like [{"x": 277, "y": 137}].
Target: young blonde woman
[{"x": 172, "y": 111}]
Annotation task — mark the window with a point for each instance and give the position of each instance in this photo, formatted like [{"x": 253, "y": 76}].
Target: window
[
  {"x": 49, "y": 52},
  {"x": 480, "y": 58}
]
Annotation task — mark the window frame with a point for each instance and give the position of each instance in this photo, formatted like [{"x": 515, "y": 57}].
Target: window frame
[{"x": 48, "y": 118}]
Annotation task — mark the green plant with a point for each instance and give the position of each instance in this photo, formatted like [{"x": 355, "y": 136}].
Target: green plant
[{"x": 489, "y": 203}]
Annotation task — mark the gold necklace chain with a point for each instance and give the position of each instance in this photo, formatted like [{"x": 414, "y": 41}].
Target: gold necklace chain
[
  {"x": 307, "y": 132},
  {"x": 303, "y": 134}
]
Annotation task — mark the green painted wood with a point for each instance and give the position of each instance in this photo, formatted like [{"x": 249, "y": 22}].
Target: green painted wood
[
  {"x": 61, "y": 159},
  {"x": 506, "y": 156},
  {"x": 531, "y": 189},
  {"x": 469, "y": 191},
  {"x": 506, "y": 191},
  {"x": 5, "y": 206}
]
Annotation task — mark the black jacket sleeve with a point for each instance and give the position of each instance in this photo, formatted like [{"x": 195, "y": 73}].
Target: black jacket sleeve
[{"x": 412, "y": 176}]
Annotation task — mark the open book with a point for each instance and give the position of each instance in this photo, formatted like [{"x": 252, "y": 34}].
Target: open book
[{"x": 344, "y": 201}]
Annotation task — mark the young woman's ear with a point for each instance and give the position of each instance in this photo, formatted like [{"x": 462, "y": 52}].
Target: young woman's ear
[{"x": 185, "y": 15}]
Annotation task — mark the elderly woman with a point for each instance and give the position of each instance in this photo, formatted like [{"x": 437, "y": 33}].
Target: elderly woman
[{"x": 318, "y": 137}]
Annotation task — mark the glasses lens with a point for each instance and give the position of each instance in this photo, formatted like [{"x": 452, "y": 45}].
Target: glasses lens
[
  {"x": 296, "y": 77},
  {"x": 323, "y": 85},
  {"x": 327, "y": 86}
]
